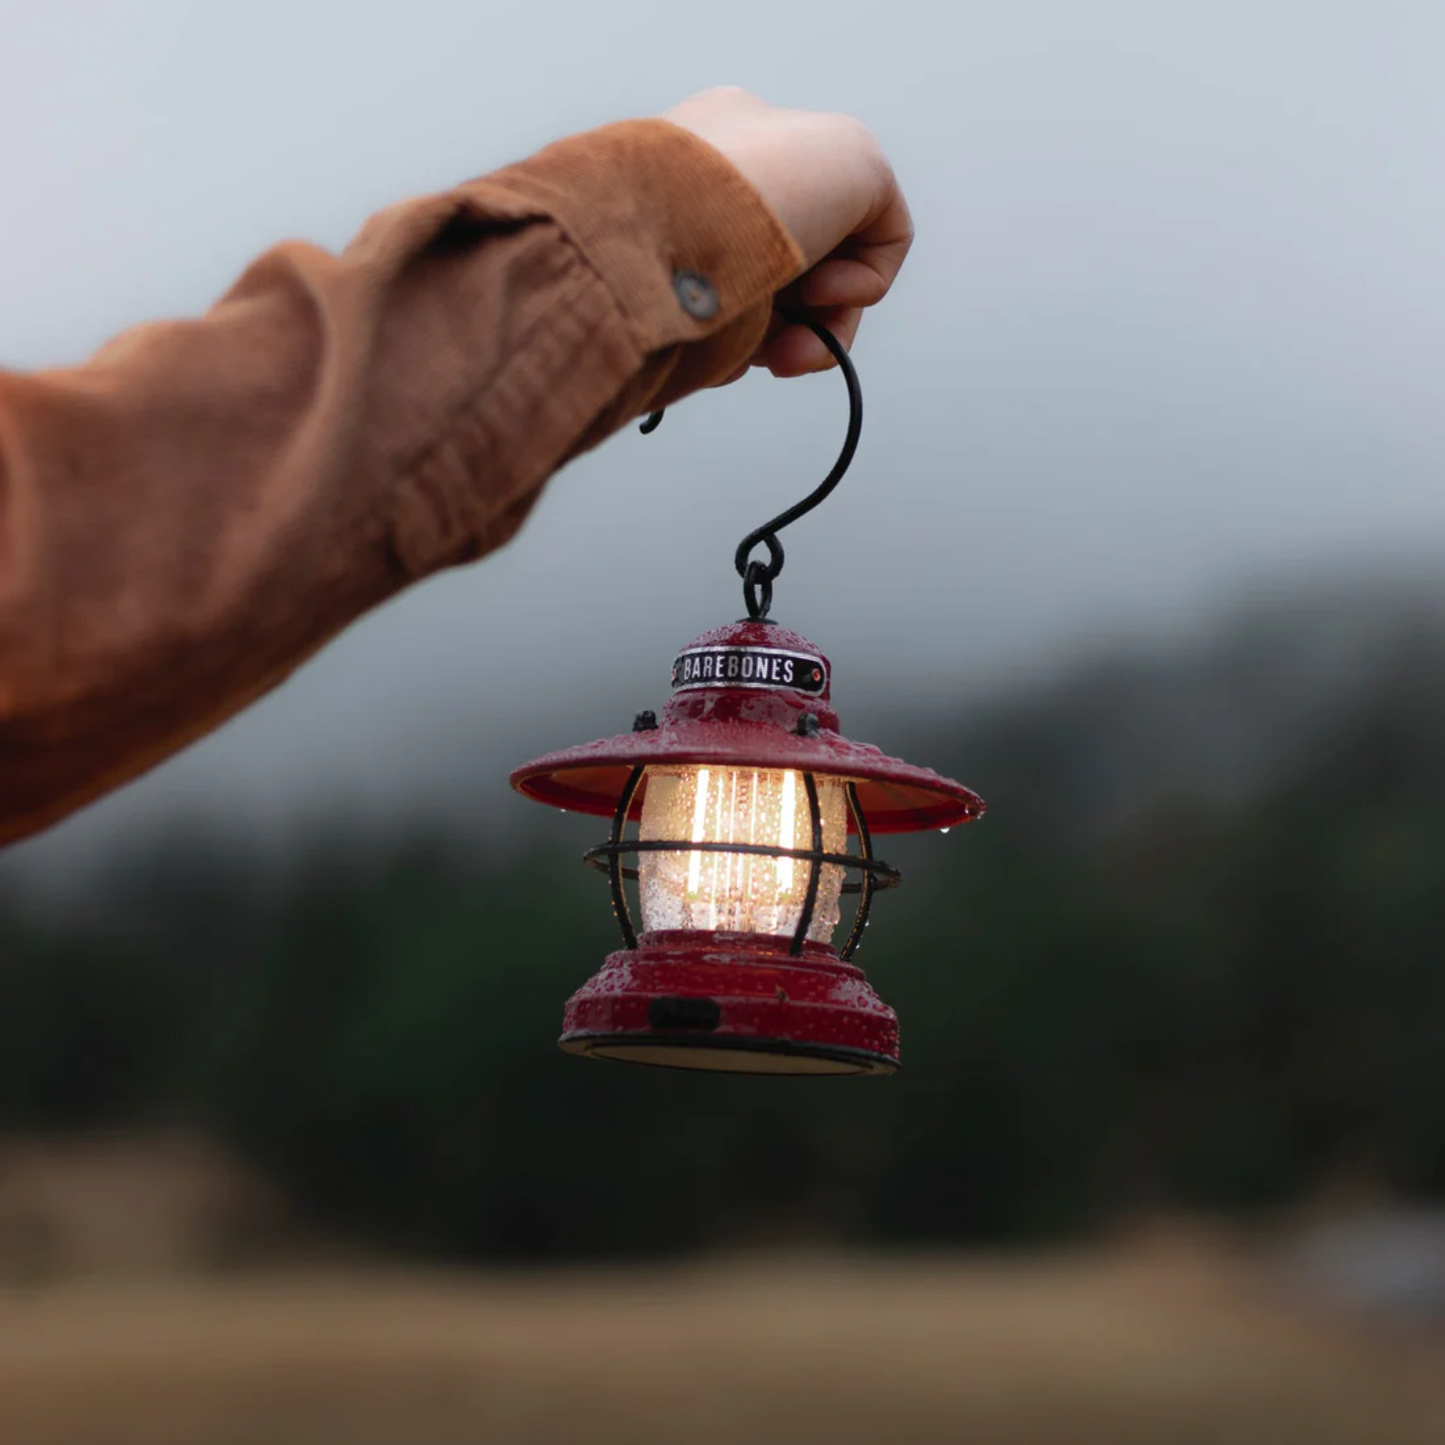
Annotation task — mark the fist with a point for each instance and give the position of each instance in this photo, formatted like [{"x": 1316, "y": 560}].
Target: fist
[{"x": 829, "y": 183}]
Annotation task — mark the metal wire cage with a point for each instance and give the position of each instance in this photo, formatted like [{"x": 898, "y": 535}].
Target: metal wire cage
[{"x": 876, "y": 874}]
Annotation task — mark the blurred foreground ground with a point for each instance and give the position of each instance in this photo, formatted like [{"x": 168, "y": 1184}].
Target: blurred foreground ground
[{"x": 1148, "y": 1344}]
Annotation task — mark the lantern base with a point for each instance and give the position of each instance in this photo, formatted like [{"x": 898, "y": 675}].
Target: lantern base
[
  {"x": 772, "y": 1057},
  {"x": 736, "y": 1003}
]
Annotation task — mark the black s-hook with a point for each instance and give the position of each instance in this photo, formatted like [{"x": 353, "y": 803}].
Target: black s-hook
[{"x": 758, "y": 576}]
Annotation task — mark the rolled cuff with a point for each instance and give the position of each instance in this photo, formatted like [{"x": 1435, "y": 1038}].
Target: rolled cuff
[{"x": 646, "y": 201}]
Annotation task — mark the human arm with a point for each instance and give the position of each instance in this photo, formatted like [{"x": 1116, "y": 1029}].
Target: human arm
[{"x": 191, "y": 514}]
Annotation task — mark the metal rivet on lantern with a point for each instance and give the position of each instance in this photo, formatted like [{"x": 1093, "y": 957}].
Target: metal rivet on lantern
[{"x": 744, "y": 810}]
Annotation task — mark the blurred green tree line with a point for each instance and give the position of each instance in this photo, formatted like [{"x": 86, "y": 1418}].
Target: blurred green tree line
[{"x": 1194, "y": 957}]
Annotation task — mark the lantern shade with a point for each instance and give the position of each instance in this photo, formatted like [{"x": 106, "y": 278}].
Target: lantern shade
[
  {"x": 750, "y": 726},
  {"x": 897, "y": 797}
]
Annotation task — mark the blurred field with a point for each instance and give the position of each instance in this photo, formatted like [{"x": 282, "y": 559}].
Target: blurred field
[{"x": 1144, "y": 1346}]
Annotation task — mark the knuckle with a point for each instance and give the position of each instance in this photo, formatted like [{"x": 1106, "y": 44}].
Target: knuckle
[
  {"x": 729, "y": 94},
  {"x": 853, "y": 129}
]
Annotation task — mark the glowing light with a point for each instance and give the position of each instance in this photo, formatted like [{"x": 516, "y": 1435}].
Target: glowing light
[
  {"x": 737, "y": 892},
  {"x": 699, "y": 822},
  {"x": 786, "y": 829}
]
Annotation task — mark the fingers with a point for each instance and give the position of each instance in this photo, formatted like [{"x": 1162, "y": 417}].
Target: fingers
[
  {"x": 862, "y": 270},
  {"x": 796, "y": 351},
  {"x": 842, "y": 281},
  {"x": 735, "y": 375},
  {"x": 883, "y": 241},
  {"x": 857, "y": 274}
]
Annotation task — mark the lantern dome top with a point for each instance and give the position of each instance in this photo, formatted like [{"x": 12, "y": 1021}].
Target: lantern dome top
[{"x": 749, "y": 694}]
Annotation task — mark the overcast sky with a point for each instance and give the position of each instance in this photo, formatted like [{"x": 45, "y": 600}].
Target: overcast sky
[{"x": 1173, "y": 326}]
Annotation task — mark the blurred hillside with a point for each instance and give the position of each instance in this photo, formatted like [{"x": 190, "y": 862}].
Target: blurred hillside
[{"x": 1190, "y": 960}]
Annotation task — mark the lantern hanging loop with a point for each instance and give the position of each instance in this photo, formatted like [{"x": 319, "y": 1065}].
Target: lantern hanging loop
[{"x": 758, "y": 576}]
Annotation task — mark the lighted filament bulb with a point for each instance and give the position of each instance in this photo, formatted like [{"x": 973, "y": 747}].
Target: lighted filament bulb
[{"x": 716, "y": 890}]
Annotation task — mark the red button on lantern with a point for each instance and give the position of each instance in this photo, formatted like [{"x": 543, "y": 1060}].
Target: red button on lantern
[{"x": 745, "y": 797}]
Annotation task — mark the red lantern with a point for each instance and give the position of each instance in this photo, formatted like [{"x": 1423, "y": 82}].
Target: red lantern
[{"x": 745, "y": 797}]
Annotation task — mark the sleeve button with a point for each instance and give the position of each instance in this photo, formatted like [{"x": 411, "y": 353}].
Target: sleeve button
[{"x": 695, "y": 295}]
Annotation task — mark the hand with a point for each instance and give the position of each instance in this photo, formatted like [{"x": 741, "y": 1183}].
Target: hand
[{"x": 832, "y": 187}]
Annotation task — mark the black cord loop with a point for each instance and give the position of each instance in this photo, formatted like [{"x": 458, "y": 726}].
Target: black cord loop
[{"x": 758, "y": 576}]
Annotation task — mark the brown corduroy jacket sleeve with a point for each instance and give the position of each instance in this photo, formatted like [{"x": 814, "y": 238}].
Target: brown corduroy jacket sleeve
[{"x": 192, "y": 513}]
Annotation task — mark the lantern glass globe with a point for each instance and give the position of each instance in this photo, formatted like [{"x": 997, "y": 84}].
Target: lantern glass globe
[{"x": 738, "y": 892}]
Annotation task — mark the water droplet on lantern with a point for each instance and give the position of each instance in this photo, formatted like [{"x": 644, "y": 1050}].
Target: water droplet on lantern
[{"x": 945, "y": 830}]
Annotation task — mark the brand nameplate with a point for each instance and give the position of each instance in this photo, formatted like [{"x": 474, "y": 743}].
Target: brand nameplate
[{"x": 749, "y": 667}]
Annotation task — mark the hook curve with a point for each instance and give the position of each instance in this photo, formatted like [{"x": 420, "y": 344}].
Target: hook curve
[{"x": 758, "y": 577}]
